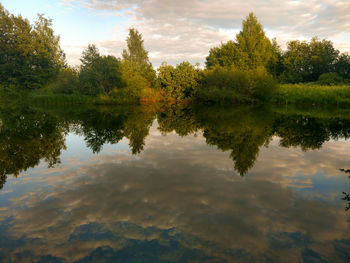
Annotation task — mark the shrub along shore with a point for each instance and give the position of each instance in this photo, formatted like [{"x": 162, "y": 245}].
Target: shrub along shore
[
  {"x": 311, "y": 94},
  {"x": 250, "y": 69},
  {"x": 285, "y": 94}
]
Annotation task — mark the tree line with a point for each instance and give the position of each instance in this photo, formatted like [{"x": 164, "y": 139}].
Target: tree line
[
  {"x": 246, "y": 69},
  {"x": 302, "y": 61}
]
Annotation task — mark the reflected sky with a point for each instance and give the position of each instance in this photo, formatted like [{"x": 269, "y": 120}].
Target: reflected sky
[{"x": 179, "y": 200}]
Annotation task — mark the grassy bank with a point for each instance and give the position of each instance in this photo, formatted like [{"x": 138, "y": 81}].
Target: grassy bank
[
  {"x": 311, "y": 94},
  {"x": 285, "y": 94}
]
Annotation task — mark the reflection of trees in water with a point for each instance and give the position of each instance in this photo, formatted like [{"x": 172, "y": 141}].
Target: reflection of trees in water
[
  {"x": 180, "y": 119},
  {"x": 347, "y": 199},
  {"x": 30, "y": 135},
  {"x": 104, "y": 125},
  {"x": 346, "y": 196},
  {"x": 99, "y": 128},
  {"x": 243, "y": 130},
  {"x": 26, "y": 137},
  {"x": 309, "y": 132},
  {"x": 242, "y": 133}
]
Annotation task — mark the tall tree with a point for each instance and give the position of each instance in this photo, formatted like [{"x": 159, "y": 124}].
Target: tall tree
[
  {"x": 136, "y": 51},
  {"x": 225, "y": 56},
  {"x": 255, "y": 48},
  {"x": 342, "y": 66},
  {"x": 250, "y": 50},
  {"x": 90, "y": 54},
  {"x": 137, "y": 54},
  {"x": 99, "y": 74},
  {"x": 306, "y": 61},
  {"x": 49, "y": 58},
  {"x": 296, "y": 62},
  {"x": 87, "y": 79},
  {"x": 323, "y": 57},
  {"x": 30, "y": 55},
  {"x": 165, "y": 80}
]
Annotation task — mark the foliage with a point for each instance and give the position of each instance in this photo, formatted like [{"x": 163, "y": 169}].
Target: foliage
[
  {"x": 165, "y": 79},
  {"x": 252, "y": 49},
  {"x": 342, "y": 66},
  {"x": 59, "y": 99},
  {"x": 330, "y": 79},
  {"x": 302, "y": 61},
  {"x": 178, "y": 83},
  {"x": 240, "y": 70},
  {"x": 99, "y": 74},
  {"x": 225, "y": 56},
  {"x": 311, "y": 95},
  {"x": 275, "y": 65},
  {"x": 134, "y": 81},
  {"x": 67, "y": 81},
  {"x": 138, "y": 56},
  {"x": 306, "y": 61},
  {"x": 89, "y": 55},
  {"x": 30, "y": 55},
  {"x": 186, "y": 80},
  {"x": 255, "y": 49},
  {"x": 230, "y": 85}
]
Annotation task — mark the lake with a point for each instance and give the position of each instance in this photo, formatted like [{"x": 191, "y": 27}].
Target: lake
[{"x": 174, "y": 184}]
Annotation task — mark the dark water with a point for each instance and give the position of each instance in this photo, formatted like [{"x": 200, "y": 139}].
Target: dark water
[{"x": 122, "y": 184}]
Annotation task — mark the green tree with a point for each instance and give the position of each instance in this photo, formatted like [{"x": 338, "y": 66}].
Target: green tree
[
  {"x": 225, "y": 56},
  {"x": 254, "y": 47},
  {"x": 251, "y": 49},
  {"x": 330, "y": 79},
  {"x": 186, "y": 78},
  {"x": 67, "y": 81},
  {"x": 49, "y": 58},
  {"x": 165, "y": 80},
  {"x": 99, "y": 74},
  {"x": 296, "y": 62},
  {"x": 134, "y": 81},
  {"x": 107, "y": 73},
  {"x": 306, "y": 61},
  {"x": 30, "y": 55},
  {"x": 178, "y": 83},
  {"x": 275, "y": 64},
  {"x": 90, "y": 54},
  {"x": 342, "y": 66},
  {"x": 323, "y": 57},
  {"x": 137, "y": 55},
  {"x": 86, "y": 76}
]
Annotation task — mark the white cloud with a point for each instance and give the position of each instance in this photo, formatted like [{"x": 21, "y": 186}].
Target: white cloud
[{"x": 186, "y": 29}]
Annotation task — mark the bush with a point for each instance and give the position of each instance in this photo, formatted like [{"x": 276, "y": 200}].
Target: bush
[
  {"x": 178, "y": 83},
  {"x": 230, "y": 85},
  {"x": 330, "y": 79},
  {"x": 100, "y": 76},
  {"x": 262, "y": 84},
  {"x": 133, "y": 80},
  {"x": 67, "y": 82}
]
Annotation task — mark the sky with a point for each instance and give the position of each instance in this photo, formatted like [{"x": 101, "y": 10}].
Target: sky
[{"x": 184, "y": 30}]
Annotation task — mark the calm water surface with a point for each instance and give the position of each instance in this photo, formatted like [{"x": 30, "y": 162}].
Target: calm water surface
[{"x": 121, "y": 184}]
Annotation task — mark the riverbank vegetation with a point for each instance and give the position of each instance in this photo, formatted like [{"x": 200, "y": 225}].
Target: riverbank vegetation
[
  {"x": 249, "y": 69},
  {"x": 311, "y": 94}
]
